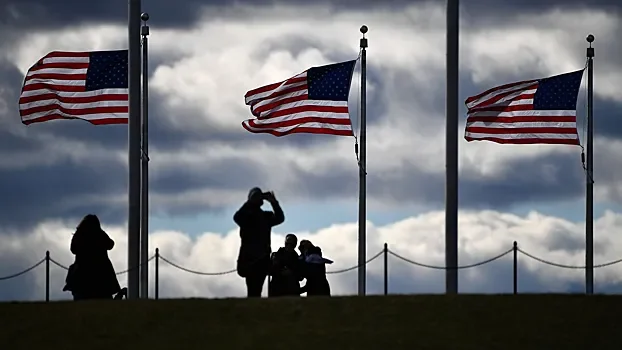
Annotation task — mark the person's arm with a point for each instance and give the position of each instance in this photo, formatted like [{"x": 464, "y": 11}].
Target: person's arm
[
  {"x": 75, "y": 244},
  {"x": 106, "y": 241},
  {"x": 274, "y": 262},
  {"x": 277, "y": 217},
  {"x": 301, "y": 272},
  {"x": 241, "y": 217}
]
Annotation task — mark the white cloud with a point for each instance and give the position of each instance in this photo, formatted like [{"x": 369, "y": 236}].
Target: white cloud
[{"x": 421, "y": 238}]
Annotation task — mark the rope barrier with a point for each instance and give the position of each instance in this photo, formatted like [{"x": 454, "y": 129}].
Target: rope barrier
[
  {"x": 567, "y": 266},
  {"x": 484, "y": 262},
  {"x": 356, "y": 266},
  {"x": 197, "y": 272},
  {"x": 446, "y": 268},
  {"x": 118, "y": 273},
  {"x": 234, "y": 270},
  {"x": 22, "y": 272}
]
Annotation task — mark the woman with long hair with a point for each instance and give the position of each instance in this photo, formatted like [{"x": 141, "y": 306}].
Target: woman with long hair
[{"x": 92, "y": 275}]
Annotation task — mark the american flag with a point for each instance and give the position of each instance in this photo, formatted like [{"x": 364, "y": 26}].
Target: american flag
[
  {"x": 314, "y": 101},
  {"x": 527, "y": 112},
  {"x": 90, "y": 86}
]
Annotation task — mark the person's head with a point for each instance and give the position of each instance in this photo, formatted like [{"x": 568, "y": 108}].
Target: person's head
[
  {"x": 89, "y": 223},
  {"x": 255, "y": 196},
  {"x": 290, "y": 241},
  {"x": 304, "y": 246}
]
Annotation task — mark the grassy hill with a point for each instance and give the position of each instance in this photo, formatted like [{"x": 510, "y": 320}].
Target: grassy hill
[{"x": 477, "y": 322}]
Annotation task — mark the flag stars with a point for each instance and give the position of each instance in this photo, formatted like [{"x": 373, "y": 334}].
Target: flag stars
[
  {"x": 558, "y": 92},
  {"x": 331, "y": 82},
  {"x": 107, "y": 70}
]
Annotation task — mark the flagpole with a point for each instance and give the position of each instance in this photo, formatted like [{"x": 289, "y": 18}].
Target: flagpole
[
  {"x": 144, "y": 181},
  {"x": 363, "y": 169},
  {"x": 589, "y": 190},
  {"x": 133, "y": 234},
  {"x": 451, "y": 148}
]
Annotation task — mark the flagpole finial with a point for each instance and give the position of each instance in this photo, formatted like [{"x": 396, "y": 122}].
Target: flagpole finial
[
  {"x": 144, "y": 30},
  {"x": 363, "y": 43},
  {"x": 590, "y": 49}
]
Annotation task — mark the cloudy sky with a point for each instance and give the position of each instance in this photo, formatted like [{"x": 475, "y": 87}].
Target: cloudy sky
[{"x": 204, "y": 55}]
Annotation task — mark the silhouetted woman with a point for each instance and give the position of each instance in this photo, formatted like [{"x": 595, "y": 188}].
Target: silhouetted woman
[
  {"x": 92, "y": 275},
  {"x": 314, "y": 270}
]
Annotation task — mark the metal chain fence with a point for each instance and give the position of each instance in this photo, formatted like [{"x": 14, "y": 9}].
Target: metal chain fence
[{"x": 386, "y": 252}]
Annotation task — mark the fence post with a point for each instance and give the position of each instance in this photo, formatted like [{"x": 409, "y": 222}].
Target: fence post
[
  {"x": 47, "y": 276},
  {"x": 157, "y": 274},
  {"x": 386, "y": 269},
  {"x": 515, "y": 282}
]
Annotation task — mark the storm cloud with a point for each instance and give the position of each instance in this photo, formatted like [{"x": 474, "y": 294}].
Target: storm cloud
[{"x": 202, "y": 160}]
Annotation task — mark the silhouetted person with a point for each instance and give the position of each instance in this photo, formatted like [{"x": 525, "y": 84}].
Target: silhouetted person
[
  {"x": 314, "y": 270},
  {"x": 286, "y": 270},
  {"x": 255, "y": 224},
  {"x": 92, "y": 275}
]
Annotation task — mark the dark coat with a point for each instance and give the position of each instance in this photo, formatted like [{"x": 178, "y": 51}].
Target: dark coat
[
  {"x": 92, "y": 273},
  {"x": 314, "y": 270},
  {"x": 255, "y": 234},
  {"x": 282, "y": 282}
]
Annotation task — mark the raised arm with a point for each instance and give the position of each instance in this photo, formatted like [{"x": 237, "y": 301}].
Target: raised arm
[{"x": 278, "y": 217}]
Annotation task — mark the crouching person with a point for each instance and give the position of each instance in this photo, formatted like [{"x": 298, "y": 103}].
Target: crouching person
[
  {"x": 285, "y": 270},
  {"x": 314, "y": 270}
]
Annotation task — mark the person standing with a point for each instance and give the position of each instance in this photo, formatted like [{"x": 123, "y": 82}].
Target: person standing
[
  {"x": 92, "y": 275},
  {"x": 253, "y": 263},
  {"x": 286, "y": 271}
]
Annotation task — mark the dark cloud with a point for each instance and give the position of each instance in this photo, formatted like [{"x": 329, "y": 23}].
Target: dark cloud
[
  {"x": 545, "y": 178},
  {"x": 69, "y": 188},
  {"x": 184, "y": 13},
  {"x": 62, "y": 190},
  {"x": 24, "y": 286}
]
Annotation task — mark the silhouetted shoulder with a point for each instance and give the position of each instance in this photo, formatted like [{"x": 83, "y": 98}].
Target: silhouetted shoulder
[
  {"x": 274, "y": 218},
  {"x": 315, "y": 250}
]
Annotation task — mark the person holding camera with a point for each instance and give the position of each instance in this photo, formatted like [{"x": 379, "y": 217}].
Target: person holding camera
[{"x": 256, "y": 224}]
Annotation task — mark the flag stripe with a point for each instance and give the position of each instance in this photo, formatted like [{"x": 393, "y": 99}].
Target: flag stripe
[
  {"x": 522, "y": 139},
  {"x": 73, "y": 98},
  {"x": 513, "y": 113},
  {"x": 306, "y": 106},
  {"x": 270, "y": 104},
  {"x": 95, "y": 120},
  {"x": 473, "y": 100},
  {"x": 311, "y": 128},
  {"x": 57, "y": 87},
  {"x": 264, "y": 91}
]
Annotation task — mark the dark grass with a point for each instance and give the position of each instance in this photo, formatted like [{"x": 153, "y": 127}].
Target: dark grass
[{"x": 528, "y": 322}]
